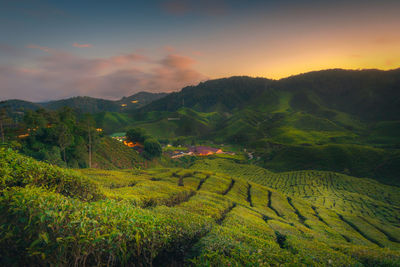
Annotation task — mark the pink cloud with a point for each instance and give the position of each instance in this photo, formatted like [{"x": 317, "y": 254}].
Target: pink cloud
[
  {"x": 82, "y": 45},
  {"x": 197, "y": 53},
  {"x": 60, "y": 74},
  {"x": 43, "y": 48},
  {"x": 169, "y": 49},
  {"x": 177, "y": 61}
]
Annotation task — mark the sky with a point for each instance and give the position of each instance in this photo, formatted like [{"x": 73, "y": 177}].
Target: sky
[{"x": 109, "y": 49}]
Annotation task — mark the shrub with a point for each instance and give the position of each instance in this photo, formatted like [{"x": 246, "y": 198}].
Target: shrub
[
  {"x": 18, "y": 170},
  {"x": 152, "y": 148}
]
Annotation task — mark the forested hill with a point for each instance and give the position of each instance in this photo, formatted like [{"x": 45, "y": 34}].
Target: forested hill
[
  {"x": 85, "y": 104},
  {"x": 221, "y": 95},
  {"x": 367, "y": 94}
]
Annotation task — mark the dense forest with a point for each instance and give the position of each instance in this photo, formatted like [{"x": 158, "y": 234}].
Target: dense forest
[{"x": 58, "y": 137}]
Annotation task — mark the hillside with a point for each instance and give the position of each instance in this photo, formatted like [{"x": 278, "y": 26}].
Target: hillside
[
  {"x": 85, "y": 104},
  {"x": 334, "y": 120},
  {"x": 15, "y": 105},
  {"x": 112, "y": 154},
  {"x": 367, "y": 94},
  {"x": 229, "y": 214},
  {"x": 337, "y": 120},
  {"x": 139, "y": 100}
]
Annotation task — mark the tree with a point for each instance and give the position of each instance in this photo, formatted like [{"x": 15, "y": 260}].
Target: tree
[
  {"x": 65, "y": 138},
  {"x": 4, "y": 119},
  {"x": 91, "y": 135},
  {"x": 152, "y": 148},
  {"x": 35, "y": 119},
  {"x": 67, "y": 116},
  {"x": 136, "y": 135}
]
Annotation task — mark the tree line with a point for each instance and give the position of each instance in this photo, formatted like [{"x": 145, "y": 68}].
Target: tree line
[
  {"x": 59, "y": 137},
  {"x": 151, "y": 147}
]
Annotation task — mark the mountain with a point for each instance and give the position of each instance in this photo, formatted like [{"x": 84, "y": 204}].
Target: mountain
[
  {"x": 333, "y": 120},
  {"x": 346, "y": 121},
  {"x": 312, "y": 180},
  {"x": 139, "y": 100},
  {"x": 15, "y": 105},
  {"x": 367, "y": 94},
  {"x": 87, "y": 104},
  {"x": 83, "y": 104}
]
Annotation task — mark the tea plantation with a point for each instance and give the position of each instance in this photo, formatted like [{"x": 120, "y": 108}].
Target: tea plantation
[{"x": 216, "y": 213}]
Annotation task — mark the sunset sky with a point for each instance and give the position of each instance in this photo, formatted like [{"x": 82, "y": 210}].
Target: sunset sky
[{"x": 109, "y": 49}]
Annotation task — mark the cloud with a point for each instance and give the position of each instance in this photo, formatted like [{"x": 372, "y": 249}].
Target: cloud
[
  {"x": 169, "y": 49},
  {"x": 82, "y": 45},
  {"x": 43, "y": 48},
  {"x": 59, "y": 74}
]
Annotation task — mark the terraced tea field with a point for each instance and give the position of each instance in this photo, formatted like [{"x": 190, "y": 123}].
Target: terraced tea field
[{"x": 175, "y": 217}]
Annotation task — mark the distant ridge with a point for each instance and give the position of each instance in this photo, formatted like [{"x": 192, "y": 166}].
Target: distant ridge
[
  {"x": 369, "y": 94},
  {"x": 86, "y": 104}
]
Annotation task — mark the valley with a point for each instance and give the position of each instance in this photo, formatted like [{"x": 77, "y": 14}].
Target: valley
[{"x": 232, "y": 172}]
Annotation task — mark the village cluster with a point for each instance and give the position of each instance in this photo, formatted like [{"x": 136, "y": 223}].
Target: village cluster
[{"x": 178, "y": 153}]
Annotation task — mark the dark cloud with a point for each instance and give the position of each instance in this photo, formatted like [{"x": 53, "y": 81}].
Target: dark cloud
[{"x": 59, "y": 74}]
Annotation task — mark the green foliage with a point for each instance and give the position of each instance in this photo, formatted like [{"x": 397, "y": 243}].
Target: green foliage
[
  {"x": 356, "y": 160},
  {"x": 59, "y": 230},
  {"x": 307, "y": 115},
  {"x": 111, "y": 122},
  {"x": 217, "y": 211},
  {"x": 63, "y": 129},
  {"x": 136, "y": 135},
  {"x": 224, "y": 215},
  {"x": 112, "y": 154},
  {"x": 17, "y": 170},
  {"x": 84, "y": 104},
  {"x": 152, "y": 148}
]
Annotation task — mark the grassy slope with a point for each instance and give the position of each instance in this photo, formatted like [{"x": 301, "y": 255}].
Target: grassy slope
[
  {"x": 288, "y": 140},
  {"x": 112, "y": 122},
  {"x": 328, "y": 111},
  {"x": 112, "y": 154},
  {"x": 226, "y": 215}
]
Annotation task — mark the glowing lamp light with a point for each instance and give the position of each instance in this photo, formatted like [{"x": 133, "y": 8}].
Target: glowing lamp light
[{"x": 23, "y": 136}]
